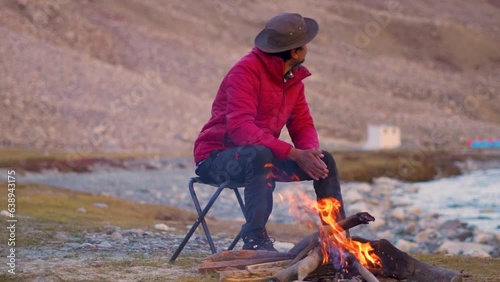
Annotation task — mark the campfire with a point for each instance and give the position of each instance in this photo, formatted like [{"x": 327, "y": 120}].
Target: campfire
[
  {"x": 330, "y": 247},
  {"x": 329, "y": 254},
  {"x": 336, "y": 247}
]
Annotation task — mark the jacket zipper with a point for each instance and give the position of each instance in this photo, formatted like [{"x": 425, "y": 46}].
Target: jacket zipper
[{"x": 281, "y": 104}]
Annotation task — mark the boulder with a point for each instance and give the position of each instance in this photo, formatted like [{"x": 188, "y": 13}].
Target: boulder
[
  {"x": 377, "y": 224},
  {"x": 406, "y": 246},
  {"x": 426, "y": 235},
  {"x": 451, "y": 224},
  {"x": 283, "y": 246},
  {"x": 399, "y": 214},
  {"x": 410, "y": 227},
  {"x": 363, "y": 187},
  {"x": 485, "y": 238},
  {"x": 352, "y": 196},
  {"x": 116, "y": 236},
  {"x": 462, "y": 248},
  {"x": 477, "y": 253},
  {"x": 357, "y": 207}
]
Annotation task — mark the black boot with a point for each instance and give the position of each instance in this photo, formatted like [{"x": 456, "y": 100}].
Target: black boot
[{"x": 259, "y": 242}]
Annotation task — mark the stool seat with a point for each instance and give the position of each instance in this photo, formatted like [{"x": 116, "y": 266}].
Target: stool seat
[{"x": 227, "y": 184}]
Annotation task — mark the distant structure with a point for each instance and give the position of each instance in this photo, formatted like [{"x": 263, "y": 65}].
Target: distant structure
[
  {"x": 383, "y": 137},
  {"x": 484, "y": 143}
]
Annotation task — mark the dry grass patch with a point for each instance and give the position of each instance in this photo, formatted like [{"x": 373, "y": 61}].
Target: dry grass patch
[
  {"x": 35, "y": 160},
  {"x": 44, "y": 210},
  {"x": 482, "y": 269},
  {"x": 419, "y": 164},
  {"x": 9, "y": 156}
]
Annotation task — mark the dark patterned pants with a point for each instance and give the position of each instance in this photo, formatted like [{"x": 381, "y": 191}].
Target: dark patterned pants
[{"x": 258, "y": 169}]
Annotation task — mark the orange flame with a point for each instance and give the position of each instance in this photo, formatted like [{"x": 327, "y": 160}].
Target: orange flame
[
  {"x": 270, "y": 175},
  {"x": 301, "y": 208},
  {"x": 328, "y": 209},
  {"x": 275, "y": 174}
]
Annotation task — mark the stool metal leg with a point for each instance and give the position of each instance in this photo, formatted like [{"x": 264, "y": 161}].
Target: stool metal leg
[
  {"x": 200, "y": 219},
  {"x": 201, "y": 214},
  {"x": 235, "y": 241},
  {"x": 242, "y": 206}
]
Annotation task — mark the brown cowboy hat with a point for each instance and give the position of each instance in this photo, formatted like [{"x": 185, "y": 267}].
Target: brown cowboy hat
[{"x": 286, "y": 31}]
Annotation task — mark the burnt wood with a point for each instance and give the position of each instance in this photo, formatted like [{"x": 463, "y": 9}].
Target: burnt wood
[
  {"x": 302, "y": 248},
  {"x": 239, "y": 259},
  {"x": 396, "y": 264}
]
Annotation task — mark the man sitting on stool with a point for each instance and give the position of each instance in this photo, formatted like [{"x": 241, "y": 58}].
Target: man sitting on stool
[{"x": 261, "y": 94}]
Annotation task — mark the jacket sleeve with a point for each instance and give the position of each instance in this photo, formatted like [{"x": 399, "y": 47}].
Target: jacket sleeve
[
  {"x": 242, "y": 86},
  {"x": 301, "y": 125}
]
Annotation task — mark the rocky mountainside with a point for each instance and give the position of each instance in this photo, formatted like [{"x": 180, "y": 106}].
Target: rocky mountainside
[{"x": 140, "y": 75}]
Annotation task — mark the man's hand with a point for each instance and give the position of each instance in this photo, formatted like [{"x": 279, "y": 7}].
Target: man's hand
[{"x": 310, "y": 161}]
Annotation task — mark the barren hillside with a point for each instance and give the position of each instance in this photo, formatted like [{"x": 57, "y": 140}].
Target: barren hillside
[{"x": 140, "y": 75}]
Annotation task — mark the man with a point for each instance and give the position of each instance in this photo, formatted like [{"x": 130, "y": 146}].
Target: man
[{"x": 261, "y": 94}]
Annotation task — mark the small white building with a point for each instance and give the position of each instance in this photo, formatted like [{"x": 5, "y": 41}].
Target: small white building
[{"x": 383, "y": 137}]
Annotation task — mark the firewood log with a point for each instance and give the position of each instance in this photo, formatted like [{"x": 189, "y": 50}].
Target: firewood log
[
  {"x": 239, "y": 259},
  {"x": 400, "y": 265},
  {"x": 367, "y": 275},
  {"x": 246, "y": 254},
  {"x": 262, "y": 272},
  {"x": 302, "y": 268},
  {"x": 268, "y": 265},
  {"x": 309, "y": 264},
  {"x": 237, "y": 275},
  {"x": 302, "y": 248}
]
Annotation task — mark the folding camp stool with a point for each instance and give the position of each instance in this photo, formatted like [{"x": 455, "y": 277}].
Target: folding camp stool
[{"x": 202, "y": 213}]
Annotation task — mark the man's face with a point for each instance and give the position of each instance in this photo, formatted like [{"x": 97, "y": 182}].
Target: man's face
[{"x": 300, "y": 55}]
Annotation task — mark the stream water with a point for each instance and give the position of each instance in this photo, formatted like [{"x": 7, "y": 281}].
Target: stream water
[{"x": 473, "y": 198}]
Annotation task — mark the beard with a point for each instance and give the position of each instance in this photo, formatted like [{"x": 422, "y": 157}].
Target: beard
[{"x": 298, "y": 64}]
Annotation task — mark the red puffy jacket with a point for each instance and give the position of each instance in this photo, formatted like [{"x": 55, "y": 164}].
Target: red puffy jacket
[{"x": 253, "y": 104}]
